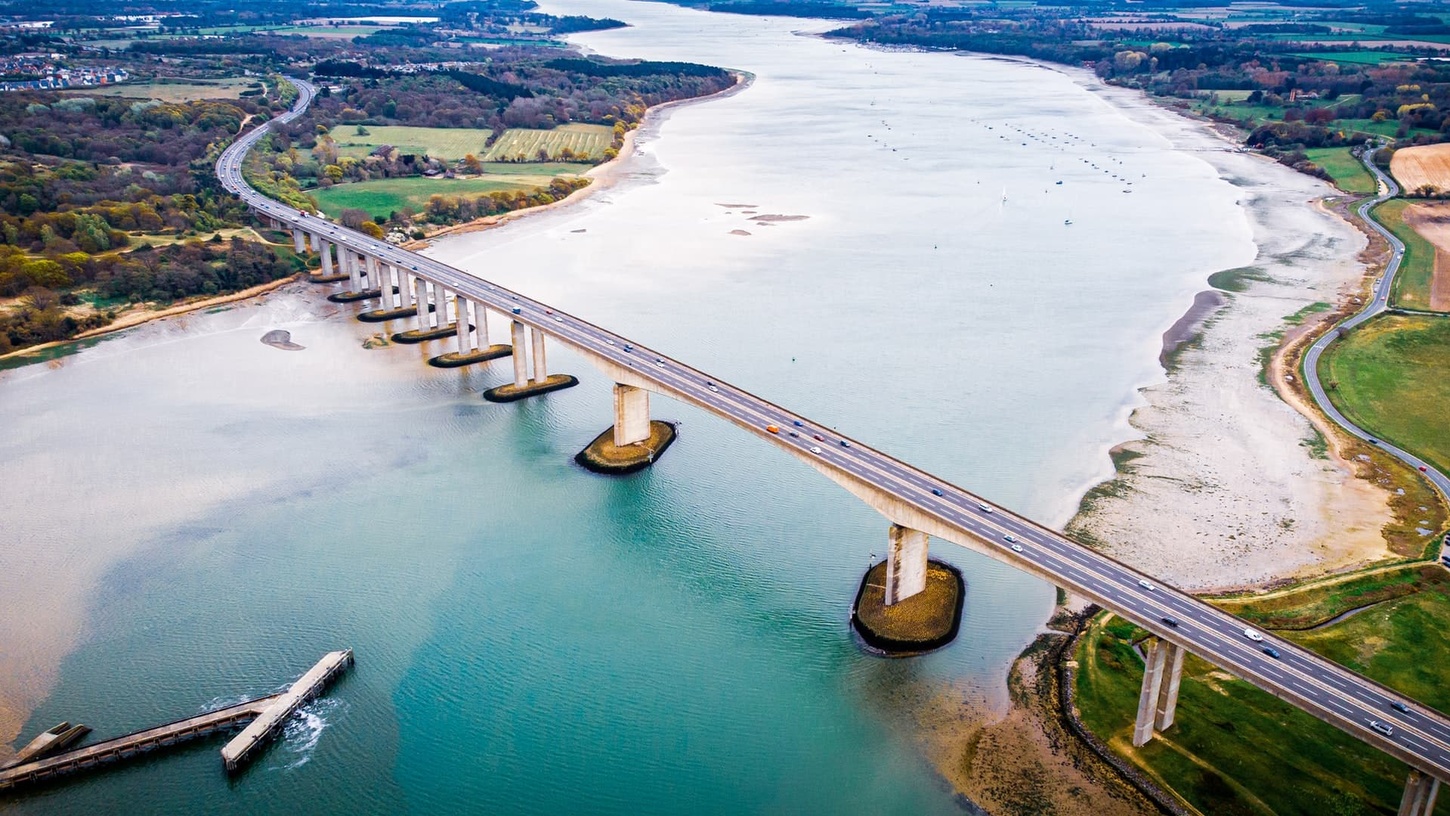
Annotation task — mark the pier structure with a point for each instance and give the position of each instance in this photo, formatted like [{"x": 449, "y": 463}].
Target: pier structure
[{"x": 262, "y": 717}]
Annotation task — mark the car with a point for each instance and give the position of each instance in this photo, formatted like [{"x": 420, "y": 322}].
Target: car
[
  {"x": 818, "y": 437},
  {"x": 610, "y": 342},
  {"x": 659, "y": 362},
  {"x": 558, "y": 319},
  {"x": 1254, "y": 636},
  {"x": 983, "y": 507},
  {"x": 935, "y": 491},
  {"x": 712, "y": 388},
  {"x": 798, "y": 423},
  {"x": 815, "y": 449},
  {"x": 1170, "y": 620},
  {"x": 845, "y": 444},
  {"x": 548, "y": 311},
  {"x": 1384, "y": 728},
  {"x": 628, "y": 347},
  {"x": 1016, "y": 548},
  {"x": 1271, "y": 652},
  {"x": 1146, "y": 585},
  {"x": 517, "y": 310},
  {"x": 1400, "y": 707},
  {"x": 1373, "y": 441},
  {"x": 1009, "y": 538},
  {"x": 793, "y": 433},
  {"x": 1422, "y": 468}
]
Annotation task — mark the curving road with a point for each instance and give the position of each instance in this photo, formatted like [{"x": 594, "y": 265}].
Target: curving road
[
  {"x": 1420, "y": 736},
  {"x": 1379, "y": 302}
]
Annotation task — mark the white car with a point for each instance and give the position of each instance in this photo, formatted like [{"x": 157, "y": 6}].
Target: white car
[
  {"x": 1146, "y": 585},
  {"x": 1254, "y": 636},
  {"x": 815, "y": 449},
  {"x": 984, "y": 508},
  {"x": 1016, "y": 548}
]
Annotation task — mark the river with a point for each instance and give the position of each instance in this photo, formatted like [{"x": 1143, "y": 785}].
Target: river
[{"x": 194, "y": 517}]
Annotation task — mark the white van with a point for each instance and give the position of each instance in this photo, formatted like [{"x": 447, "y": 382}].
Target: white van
[{"x": 1254, "y": 636}]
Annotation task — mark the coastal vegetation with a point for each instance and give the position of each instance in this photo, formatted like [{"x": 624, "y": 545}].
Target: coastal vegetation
[
  {"x": 576, "y": 142},
  {"x": 1393, "y": 375}
]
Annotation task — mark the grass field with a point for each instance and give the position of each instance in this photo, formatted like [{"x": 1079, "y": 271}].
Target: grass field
[
  {"x": 1237, "y": 750},
  {"x": 1348, "y": 174},
  {"x": 522, "y": 143},
  {"x": 1393, "y": 375},
  {"x": 382, "y": 197},
  {"x": 174, "y": 91},
  {"x": 1355, "y": 57},
  {"x": 1417, "y": 269},
  {"x": 448, "y": 144},
  {"x": 328, "y": 32}
]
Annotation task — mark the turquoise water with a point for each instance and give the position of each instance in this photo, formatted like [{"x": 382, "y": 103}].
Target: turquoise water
[{"x": 194, "y": 517}]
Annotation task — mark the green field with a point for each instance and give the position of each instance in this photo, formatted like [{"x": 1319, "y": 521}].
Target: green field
[
  {"x": 1417, "y": 269},
  {"x": 385, "y": 196},
  {"x": 1355, "y": 57},
  {"x": 328, "y": 32},
  {"x": 448, "y": 144},
  {"x": 1348, "y": 174},
  {"x": 1392, "y": 374},
  {"x": 1321, "y": 601},
  {"x": 175, "y": 90},
  {"x": 1237, "y": 750},
  {"x": 524, "y": 144}
]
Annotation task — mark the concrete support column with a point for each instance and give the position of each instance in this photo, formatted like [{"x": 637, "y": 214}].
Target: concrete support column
[
  {"x": 463, "y": 340},
  {"x": 385, "y": 286},
  {"x": 299, "y": 241},
  {"x": 1421, "y": 789},
  {"x": 440, "y": 297},
  {"x": 326, "y": 250},
  {"x": 480, "y": 321},
  {"x": 372, "y": 272},
  {"x": 316, "y": 242},
  {"x": 1168, "y": 693},
  {"x": 541, "y": 369},
  {"x": 420, "y": 297},
  {"x": 521, "y": 376},
  {"x": 631, "y": 414},
  {"x": 905, "y": 563},
  {"x": 350, "y": 264},
  {"x": 1148, "y": 697}
]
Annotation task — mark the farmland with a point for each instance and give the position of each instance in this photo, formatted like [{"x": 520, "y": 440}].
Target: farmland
[
  {"x": 1417, "y": 167},
  {"x": 448, "y": 144},
  {"x": 522, "y": 144},
  {"x": 188, "y": 90},
  {"x": 1417, "y": 269},
  {"x": 385, "y": 196},
  {"x": 1393, "y": 375}
]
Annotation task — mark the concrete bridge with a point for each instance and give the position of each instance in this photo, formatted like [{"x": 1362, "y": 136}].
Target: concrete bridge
[{"x": 918, "y": 506}]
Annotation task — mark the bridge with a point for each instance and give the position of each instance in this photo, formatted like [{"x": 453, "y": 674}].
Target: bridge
[{"x": 918, "y": 505}]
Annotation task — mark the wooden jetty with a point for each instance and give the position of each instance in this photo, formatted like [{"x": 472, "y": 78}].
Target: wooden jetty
[
  {"x": 49, "y": 742},
  {"x": 239, "y": 750},
  {"x": 261, "y": 716}
]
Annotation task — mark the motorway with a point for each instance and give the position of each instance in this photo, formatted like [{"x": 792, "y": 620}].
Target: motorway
[
  {"x": 1421, "y": 736},
  {"x": 1379, "y": 302}
]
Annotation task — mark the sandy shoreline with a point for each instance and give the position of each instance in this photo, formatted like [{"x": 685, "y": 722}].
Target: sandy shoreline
[{"x": 1218, "y": 486}]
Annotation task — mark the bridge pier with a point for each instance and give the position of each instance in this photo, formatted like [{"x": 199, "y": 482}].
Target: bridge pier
[
  {"x": 905, "y": 563},
  {"x": 327, "y": 270},
  {"x": 1158, "y": 699},
  {"x": 428, "y": 330},
  {"x": 299, "y": 241},
  {"x": 388, "y": 308},
  {"x": 1420, "y": 792},
  {"x": 634, "y": 441},
  {"x": 522, "y": 386},
  {"x": 316, "y": 241}
]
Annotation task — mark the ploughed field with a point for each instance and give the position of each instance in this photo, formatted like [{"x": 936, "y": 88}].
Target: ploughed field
[
  {"x": 1415, "y": 167},
  {"x": 523, "y": 144}
]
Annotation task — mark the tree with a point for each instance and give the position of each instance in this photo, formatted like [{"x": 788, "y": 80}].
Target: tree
[
  {"x": 362, "y": 131},
  {"x": 371, "y": 229}
]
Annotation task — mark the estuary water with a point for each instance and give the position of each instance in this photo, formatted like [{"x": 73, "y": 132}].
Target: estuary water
[{"x": 193, "y": 517}]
